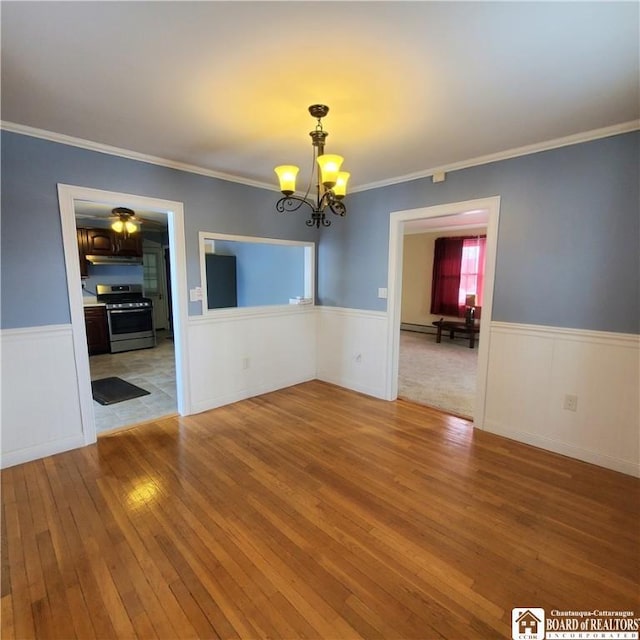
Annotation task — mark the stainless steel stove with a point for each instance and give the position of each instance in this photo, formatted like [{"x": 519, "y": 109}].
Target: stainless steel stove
[{"x": 129, "y": 315}]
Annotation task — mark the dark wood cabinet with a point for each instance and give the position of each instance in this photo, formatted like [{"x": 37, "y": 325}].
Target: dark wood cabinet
[
  {"x": 82, "y": 252},
  {"x": 95, "y": 319},
  {"x": 106, "y": 242},
  {"x": 100, "y": 242},
  {"x": 128, "y": 246}
]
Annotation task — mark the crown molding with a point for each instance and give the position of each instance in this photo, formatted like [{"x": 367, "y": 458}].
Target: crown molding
[
  {"x": 127, "y": 153},
  {"x": 556, "y": 143}
]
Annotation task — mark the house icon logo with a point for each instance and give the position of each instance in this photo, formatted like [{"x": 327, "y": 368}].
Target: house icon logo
[{"x": 527, "y": 623}]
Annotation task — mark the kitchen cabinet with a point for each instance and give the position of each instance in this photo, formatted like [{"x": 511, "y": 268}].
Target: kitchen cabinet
[
  {"x": 106, "y": 242},
  {"x": 130, "y": 245},
  {"x": 95, "y": 319},
  {"x": 100, "y": 242},
  {"x": 82, "y": 252}
]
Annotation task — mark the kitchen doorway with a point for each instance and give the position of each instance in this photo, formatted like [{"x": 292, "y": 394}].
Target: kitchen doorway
[{"x": 172, "y": 212}]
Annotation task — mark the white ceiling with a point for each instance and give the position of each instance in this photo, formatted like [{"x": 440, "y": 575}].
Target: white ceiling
[{"x": 412, "y": 86}]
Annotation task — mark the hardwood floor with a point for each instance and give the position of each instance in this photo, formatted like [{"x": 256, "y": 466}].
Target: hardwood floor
[{"x": 311, "y": 512}]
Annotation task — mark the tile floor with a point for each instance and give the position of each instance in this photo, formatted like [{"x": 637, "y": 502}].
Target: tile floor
[{"x": 152, "y": 369}]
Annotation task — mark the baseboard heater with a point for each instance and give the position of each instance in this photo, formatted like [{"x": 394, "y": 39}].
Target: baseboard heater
[{"x": 419, "y": 328}]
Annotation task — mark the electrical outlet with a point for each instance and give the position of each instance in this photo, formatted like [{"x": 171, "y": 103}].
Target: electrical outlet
[
  {"x": 570, "y": 402},
  {"x": 245, "y": 363}
]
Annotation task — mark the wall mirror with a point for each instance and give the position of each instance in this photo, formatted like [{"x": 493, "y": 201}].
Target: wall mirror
[{"x": 244, "y": 271}]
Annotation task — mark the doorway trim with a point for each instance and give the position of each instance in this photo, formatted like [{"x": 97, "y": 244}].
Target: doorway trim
[
  {"x": 397, "y": 221},
  {"x": 67, "y": 195}
]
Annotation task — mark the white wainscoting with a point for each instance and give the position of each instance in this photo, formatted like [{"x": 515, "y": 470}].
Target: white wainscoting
[
  {"x": 239, "y": 353},
  {"x": 352, "y": 349},
  {"x": 40, "y": 403},
  {"x": 532, "y": 368}
]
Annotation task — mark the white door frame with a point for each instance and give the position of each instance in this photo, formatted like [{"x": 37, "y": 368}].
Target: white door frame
[
  {"x": 67, "y": 195},
  {"x": 396, "y": 239}
]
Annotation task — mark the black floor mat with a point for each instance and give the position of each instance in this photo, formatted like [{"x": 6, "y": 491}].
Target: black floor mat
[{"x": 112, "y": 390}]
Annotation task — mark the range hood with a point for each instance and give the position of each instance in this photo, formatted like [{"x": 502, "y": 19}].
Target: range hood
[{"x": 114, "y": 259}]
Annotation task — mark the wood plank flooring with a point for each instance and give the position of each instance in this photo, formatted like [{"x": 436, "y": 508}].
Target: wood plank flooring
[{"x": 311, "y": 512}]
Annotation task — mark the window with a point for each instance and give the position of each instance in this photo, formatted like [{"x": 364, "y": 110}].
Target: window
[
  {"x": 472, "y": 270},
  {"x": 458, "y": 271}
]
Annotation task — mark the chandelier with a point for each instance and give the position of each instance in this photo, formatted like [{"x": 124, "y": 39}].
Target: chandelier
[{"x": 330, "y": 183}]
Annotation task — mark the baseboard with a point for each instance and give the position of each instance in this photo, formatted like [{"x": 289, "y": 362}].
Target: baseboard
[
  {"x": 565, "y": 449},
  {"x": 43, "y": 450},
  {"x": 244, "y": 394},
  {"x": 352, "y": 385}
]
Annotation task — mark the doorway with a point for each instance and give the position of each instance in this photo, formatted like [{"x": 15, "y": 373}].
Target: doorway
[
  {"x": 155, "y": 285},
  {"x": 439, "y": 372},
  {"x": 172, "y": 212},
  {"x": 442, "y": 216}
]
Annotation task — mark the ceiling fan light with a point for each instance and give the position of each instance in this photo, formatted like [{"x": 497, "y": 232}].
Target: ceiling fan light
[
  {"x": 287, "y": 174},
  {"x": 329, "y": 168},
  {"x": 340, "y": 188},
  {"x": 118, "y": 226},
  {"x": 130, "y": 227}
]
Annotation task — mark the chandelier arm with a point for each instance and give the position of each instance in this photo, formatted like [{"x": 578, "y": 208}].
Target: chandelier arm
[
  {"x": 338, "y": 208},
  {"x": 287, "y": 204}
]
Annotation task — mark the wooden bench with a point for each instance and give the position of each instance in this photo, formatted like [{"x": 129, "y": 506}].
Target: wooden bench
[{"x": 452, "y": 326}]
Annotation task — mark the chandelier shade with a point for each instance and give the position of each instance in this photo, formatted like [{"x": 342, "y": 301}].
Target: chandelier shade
[
  {"x": 287, "y": 174},
  {"x": 330, "y": 181},
  {"x": 329, "y": 167},
  {"x": 340, "y": 188}
]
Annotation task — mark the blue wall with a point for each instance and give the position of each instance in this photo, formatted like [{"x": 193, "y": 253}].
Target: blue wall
[
  {"x": 33, "y": 276},
  {"x": 568, "y": 241},
  {"x": 267, "y": 274},
  {"x": 112, "y": 274},
  {"x": 567, "y": 244}
]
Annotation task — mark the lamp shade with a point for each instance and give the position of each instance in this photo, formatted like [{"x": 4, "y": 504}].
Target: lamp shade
[
  {"x": 329, "y": 167},
  {"x": 340, "y": 188},
  {"x": 130, "y": 226},
  {"x": 287, "y": 176},
  {"x": 470, "y": 300},
  {"x": 118, "y": 226}
]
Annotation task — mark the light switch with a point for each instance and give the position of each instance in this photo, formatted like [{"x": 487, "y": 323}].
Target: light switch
[
  {"x": 195, "y": 294},
  {"x": 382, "y": 292}
]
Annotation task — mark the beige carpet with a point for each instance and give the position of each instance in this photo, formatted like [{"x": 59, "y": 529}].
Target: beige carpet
[{"x": 439, "y": 375}]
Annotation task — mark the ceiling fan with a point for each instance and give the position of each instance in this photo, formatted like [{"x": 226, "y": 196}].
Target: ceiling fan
[
  {"x": 98, "y": 214},
  {"x": 125, "y": 221}
]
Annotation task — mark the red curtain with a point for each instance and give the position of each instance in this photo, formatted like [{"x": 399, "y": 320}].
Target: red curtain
[{"x": 446, "y": 276}]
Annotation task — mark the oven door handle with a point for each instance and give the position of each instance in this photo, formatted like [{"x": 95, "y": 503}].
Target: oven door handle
[{"x": 114, "y": 311}]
